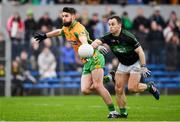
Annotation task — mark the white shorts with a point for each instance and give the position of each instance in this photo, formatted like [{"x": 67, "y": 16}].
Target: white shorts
[{"x": 134, "y": 68}]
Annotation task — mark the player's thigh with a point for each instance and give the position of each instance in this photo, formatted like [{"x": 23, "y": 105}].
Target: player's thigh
[
  {"x": 86, "y": 81},
  {"x": 121, "y": 80},
  {"x": 134, "y": 80},
  {"x": 97, "y": 76}
]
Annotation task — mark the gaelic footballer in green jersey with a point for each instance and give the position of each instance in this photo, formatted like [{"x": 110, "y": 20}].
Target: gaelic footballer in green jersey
[{"x": 132, "y": 62}]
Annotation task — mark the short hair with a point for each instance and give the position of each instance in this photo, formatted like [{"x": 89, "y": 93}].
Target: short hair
[
  {"x": 69, "y": 10},
  {"x": 116, "y": 17}
]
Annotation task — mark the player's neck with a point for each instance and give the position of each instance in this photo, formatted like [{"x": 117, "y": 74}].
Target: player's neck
[{"x": 72, "y": 24}]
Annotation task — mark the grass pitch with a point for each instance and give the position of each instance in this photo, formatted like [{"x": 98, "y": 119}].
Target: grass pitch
[{"x": 87, "y": 108}]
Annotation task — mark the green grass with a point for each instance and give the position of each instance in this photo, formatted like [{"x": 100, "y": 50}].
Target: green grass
[{"x": 86, "y": 108}]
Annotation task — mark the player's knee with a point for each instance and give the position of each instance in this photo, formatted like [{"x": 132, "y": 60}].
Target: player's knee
[
  {"x": 85, "y": 91},
  {"x": 132, "y": 88},
  {"x": 119, "y": 90},
  {"x": 96, "y": 86}
]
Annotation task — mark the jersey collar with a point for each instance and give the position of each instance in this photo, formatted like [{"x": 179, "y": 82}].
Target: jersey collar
[{"x": 72, "y": 24}]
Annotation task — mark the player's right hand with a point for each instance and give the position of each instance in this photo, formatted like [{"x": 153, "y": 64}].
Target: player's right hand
[
  {"x": 103, "y": 49},
  {"x": 145, "y": 72},
  {"x": 40, "y": 36}
]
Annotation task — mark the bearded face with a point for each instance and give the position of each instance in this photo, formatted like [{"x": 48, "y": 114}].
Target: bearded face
[
  {"x": 67, "y": 24},
  {"x": 67, "y": 19}
]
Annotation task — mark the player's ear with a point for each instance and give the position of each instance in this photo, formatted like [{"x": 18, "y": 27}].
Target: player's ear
[
  {"x": 73, "y": 16},
  {"x": 120, "y": 24}
]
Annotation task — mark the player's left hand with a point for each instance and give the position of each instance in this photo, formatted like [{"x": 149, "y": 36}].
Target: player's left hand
[
  {"x": 145, "y": 72},
  {"x": 102, "y": 49},
  {"x": 40, "y": 36}
]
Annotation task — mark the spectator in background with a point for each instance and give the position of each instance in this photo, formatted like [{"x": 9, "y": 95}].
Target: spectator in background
[
  {"x": 174, "y": 2},
  {"x": 47, "y": 64},
  {"x": 172, "y": 20},
  {"x": 36, "y": 2},
  {"x": 17, "y": 85},
  {"x": 92, "y": 24},
  {"x": 158, "y": 18},
  {"x": 45, "y": 20},
  {"x": 177, "y": 28},
  {"x": 15, "y": 28},
  {"x": 84, "y": 19},
  {"x": 54, "y": 49},
  {"x": 173, "y": 25},
  {"x": 111, "y": 1},
  {"x": 156, "y": 41},
  {"x": 85, "y": 16},
  {"x": 135, "y": 2},
  {"x": 46, "y": 2},
  {"x": 24, "y": 65},
  {"x": 21, "y": 74},
  {"x": 2, "y": 70},
  {"x": 30, "y": 27},
  {"x": 140, "y": 20},
  {"x": 44, "y": 28},
  {"x": 58, "y": 22},
  {"x": 172, "y": 48},
  {"x": 127, "y": 23},
  {"x": 34, "y": 53},
  {"x": 101, "y": 27},
  {"x": 94, "y": 2},
  {"x": 64, "y": 1},
  {"x": 48, "y": 43},
  {"x": 141, "y": 34},
  {"x": 68, "y": 57},
  {"x": 109, "y": 11},
  {"x": 141, "y": 29}
]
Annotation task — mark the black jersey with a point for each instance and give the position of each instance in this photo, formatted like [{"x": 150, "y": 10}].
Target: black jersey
[{"x": 123, "y": 46}]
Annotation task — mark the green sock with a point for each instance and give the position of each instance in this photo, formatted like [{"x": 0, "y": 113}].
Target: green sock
[
  {"x": 106, "y": 79},
  {"x": 123, "y": 110},
  {"x": 148, "y": 87},
  {"x": 111, "y": 107}
]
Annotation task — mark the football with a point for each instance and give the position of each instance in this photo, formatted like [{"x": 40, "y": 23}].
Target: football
[{"x": 85, "y": 51}]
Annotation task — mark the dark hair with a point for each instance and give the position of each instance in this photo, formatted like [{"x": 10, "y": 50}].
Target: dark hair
[
  {"x": 69, "y": 10},
  {"x": 117, "y": 18}
]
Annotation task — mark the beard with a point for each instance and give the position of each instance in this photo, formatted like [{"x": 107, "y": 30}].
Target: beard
[{"x": 67, "y": 24}]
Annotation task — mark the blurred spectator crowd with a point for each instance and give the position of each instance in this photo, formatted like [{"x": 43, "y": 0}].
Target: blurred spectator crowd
[
  {"x": 94, "y": 2},
  {"x": 160, "y": 40}
]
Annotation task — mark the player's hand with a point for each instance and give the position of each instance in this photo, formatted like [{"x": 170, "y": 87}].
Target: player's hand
[
  {"x": 102, "y": 49},
  {"x": 40, "y": 36},
  {"x": 84, "y": 60},
  {"x": 145, "y": 72}
]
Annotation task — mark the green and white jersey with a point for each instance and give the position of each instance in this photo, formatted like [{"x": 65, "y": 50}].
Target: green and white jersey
[{"x": 123, "y": 46}]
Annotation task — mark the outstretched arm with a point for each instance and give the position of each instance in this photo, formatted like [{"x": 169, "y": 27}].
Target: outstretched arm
[
  {"x": 102, "y": 48},
  {"x": 41, "y": 36},
  {"x": 96, "y": 43},
  {"x": 53, "y": 33}
]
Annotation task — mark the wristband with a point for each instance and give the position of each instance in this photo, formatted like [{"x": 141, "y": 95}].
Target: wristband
[{"x": 143, "y": 65}]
